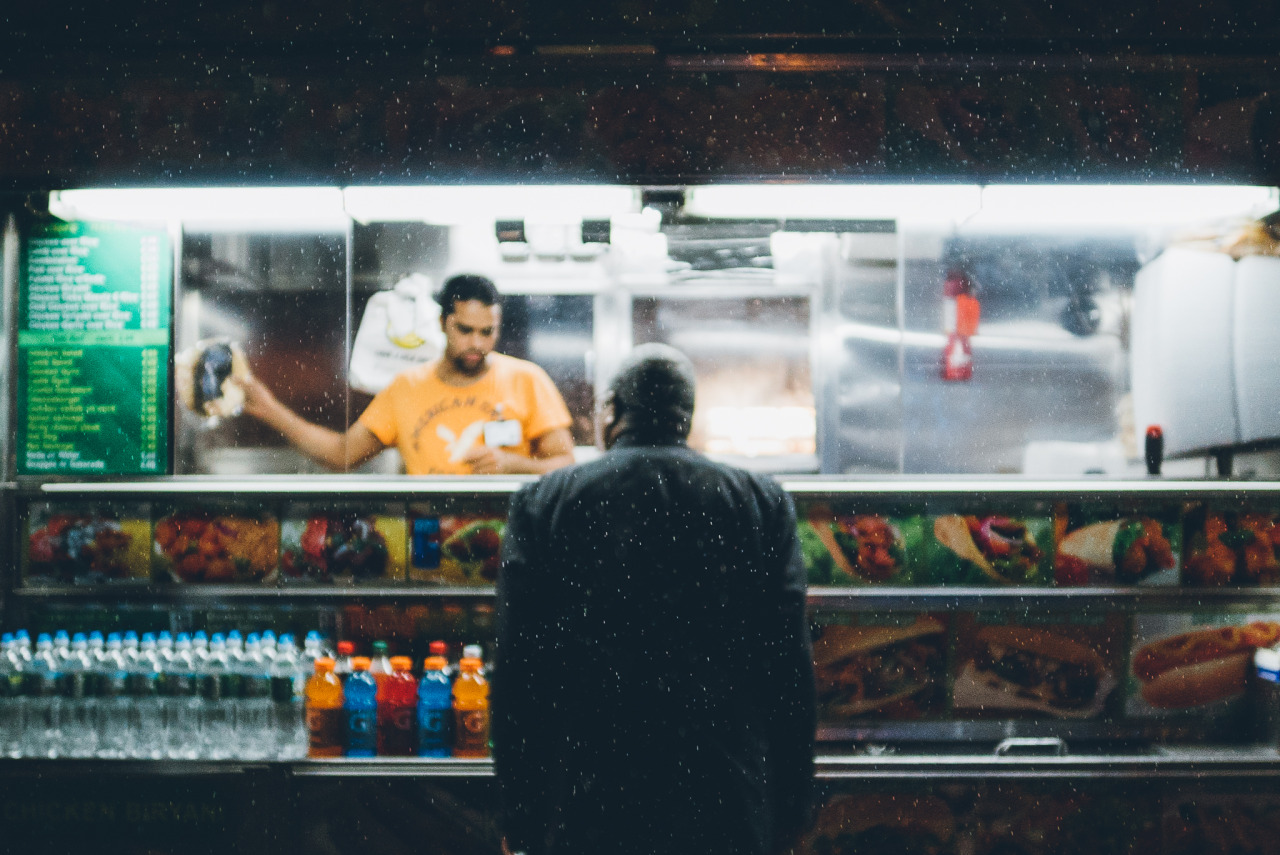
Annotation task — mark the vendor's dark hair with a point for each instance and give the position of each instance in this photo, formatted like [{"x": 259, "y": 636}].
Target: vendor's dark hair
[
  {"x": 653, "y": 392},
  {"x": 466, "y": 286}
]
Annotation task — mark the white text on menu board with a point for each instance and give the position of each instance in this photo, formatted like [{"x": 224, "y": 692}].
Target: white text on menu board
[{"x": 62, "y": 294}]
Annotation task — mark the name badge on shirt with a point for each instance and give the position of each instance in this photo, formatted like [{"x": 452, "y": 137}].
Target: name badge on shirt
[{"x": 503, "y": 434}]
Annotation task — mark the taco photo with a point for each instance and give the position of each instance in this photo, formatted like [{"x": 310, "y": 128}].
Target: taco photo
[
  {"x": 1105, "y": 549},
  {"x": 991, "y": 550},
  {"x": 1037, "y": 670},
  {"x": 859, "y": 548},
  {"x": 880, "y": 671}
]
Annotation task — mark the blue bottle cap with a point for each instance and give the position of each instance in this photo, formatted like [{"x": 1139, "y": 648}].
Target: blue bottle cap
[
  {"x": 22, "y": 635},
  {"x": 79, "y": 637},
  {"x": 115, "y": 636},
  {"x": 217, "y": 638},
  {"x": 164, "y": 634},
  {"x": 285, "y": 639},
  {"x": 7, "y": 638},
  {"x": 43, "y": 638},
  {"x": 149, "y": 636},
  {"x": 183, "y": 638},
  {"x": 199, "y": 636},
  {"x": 233, "y": 634},
  {"x": 95, "y": 635},
  {"x": 61, "y": 635},
  {"x": 131, "y": 635}
]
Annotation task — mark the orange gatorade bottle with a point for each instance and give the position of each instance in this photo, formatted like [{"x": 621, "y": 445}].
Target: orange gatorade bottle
[
  {"x": 470, "y": 710},
  {"x": 325, "y": 721}
]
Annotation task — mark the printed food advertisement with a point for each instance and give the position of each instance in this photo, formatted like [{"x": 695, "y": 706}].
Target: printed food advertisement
[
  {"x": 87, "y": 544},
  {"x": 967, "y": 818},
  {"x": 1237, "y": 547},
  {"x": 456, "y": 548},
  {"x": 1065, "y": 667},
  {"x": 1108, "y": 546},
  {"x": 343, "y": 545},
  {"x": 991, "y": 549},
  {"x": 879, "y": 667},
  {"x": 1194, "y": 665},
  {"x": 203, "y": 546},
  {"x": 855, "y": 548}
]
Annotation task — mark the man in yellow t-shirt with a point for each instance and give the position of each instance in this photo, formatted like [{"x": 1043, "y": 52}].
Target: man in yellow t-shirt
[{"x": 472, "y": 411}]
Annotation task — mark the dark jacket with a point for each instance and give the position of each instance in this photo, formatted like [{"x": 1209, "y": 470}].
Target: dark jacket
[{"x": 653, "y": 690}]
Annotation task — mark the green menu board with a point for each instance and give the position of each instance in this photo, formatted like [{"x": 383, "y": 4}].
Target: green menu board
[{"x": 93, "y": 350}]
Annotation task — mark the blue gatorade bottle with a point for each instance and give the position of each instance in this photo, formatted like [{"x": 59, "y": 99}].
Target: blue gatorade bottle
[
  {"x": 435, "y": 709},
  {"x": 361, "y": 706}
]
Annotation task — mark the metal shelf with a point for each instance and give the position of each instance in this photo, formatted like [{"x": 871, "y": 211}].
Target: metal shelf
[
  {"x": 907, "y": 487},
  {"x": 853, "y": 599},
  {"x": 1160, "y": 762},
  {"x": 215, "y": 593},
  {"x": 939, "y": 598}
]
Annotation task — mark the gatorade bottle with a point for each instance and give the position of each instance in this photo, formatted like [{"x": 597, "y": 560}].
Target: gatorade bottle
[
  {"x": 380, "y": 663},
  {"x": 342, "y": 664},
  {"x": 361, "y": 706},
  {"x": 441, "y": 649},
  {"x": 397, "y": 699},
  {"x": 435, "y": 706},
  {"x": 324, "y": 711},
  {"x": 470, "y": 710}
]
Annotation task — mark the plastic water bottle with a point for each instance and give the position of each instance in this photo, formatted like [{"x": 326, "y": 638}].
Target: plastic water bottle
[
  {"x": 79, "y": 707},
  {"x": 288, "y": 722},
  {"x": 182, "y": 701},
  {"x": 253, "y": 716},
  {"x": 268, "y": 645},
  {"x": 44, "y": 706},
  {"x": 311, "y": 647},
  {"x": 13, "y": 706},
  {"x": 435, "y": 708},
  {"x": 219, "y": 693},
  {"x": 114, "y": 735},
  {"x": 146, "y": 673},
  {"x": 397, "y": 709},
  {"x": 361, "y": 706}
]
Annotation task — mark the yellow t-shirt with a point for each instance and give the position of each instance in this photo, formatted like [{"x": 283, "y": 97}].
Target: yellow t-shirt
[{"x": 435, "y": 424}]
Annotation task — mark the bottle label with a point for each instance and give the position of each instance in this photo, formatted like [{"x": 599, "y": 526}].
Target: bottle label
[
  {"x": 433, "y": 727},
  {"x": 471, "y": 729},
  {"x": 362, "y": 731},
  {"x": 282, "y": 690},
  {"x": 324, "y": 730},
  {"x": 72, "y": 685},
  {"x": 395, "y": 730},
  {"x": 253, "y": 686},
  {"x": 11, "y": 686},
  {"x": 141, "y": 685},
  {"x": 111, "y": 685}
]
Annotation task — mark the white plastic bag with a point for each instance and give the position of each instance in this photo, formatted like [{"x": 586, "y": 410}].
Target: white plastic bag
[{"x": 400, "y": 329}]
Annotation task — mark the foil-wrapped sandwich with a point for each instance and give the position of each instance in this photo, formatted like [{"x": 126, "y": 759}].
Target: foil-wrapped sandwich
[{"x": 204, "y": 376}]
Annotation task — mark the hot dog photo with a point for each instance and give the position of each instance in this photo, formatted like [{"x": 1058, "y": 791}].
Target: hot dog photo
[
  {"x": 851, "y": 549},
  {"x": 1061, "y": 670},
  {"x": 1181, "y": 665},
  {"x": 888, "y": 670},
  {"x": 1109, "y": 546},
  {"x": 1231, "y": 547},
  {"x": 991, "y": 549}
]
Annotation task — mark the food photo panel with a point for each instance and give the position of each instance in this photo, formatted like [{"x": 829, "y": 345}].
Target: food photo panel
[
  {"x": 1061, "y": 666},
  {"x": 343, "y": 544},
  {"x": 87, "y": 544},
  {"x": 455, "y": 543},
  {"x": 991, "y": 547},
  {"x": 1194, "y": 665},
  {"x": 885, "y": 667},
  {"x": 1104, "y": 545},
  {"x": 845, "y": 546},
  {"x": 216, "y": 543},
  {"x": 1225, "y": 547}
]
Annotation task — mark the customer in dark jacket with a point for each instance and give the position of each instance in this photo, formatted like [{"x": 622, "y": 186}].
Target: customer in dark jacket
[{"x": 653, "y": 691}]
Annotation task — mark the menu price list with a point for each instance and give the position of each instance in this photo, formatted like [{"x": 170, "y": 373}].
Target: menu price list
[{"x": 94, "y": 350}]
